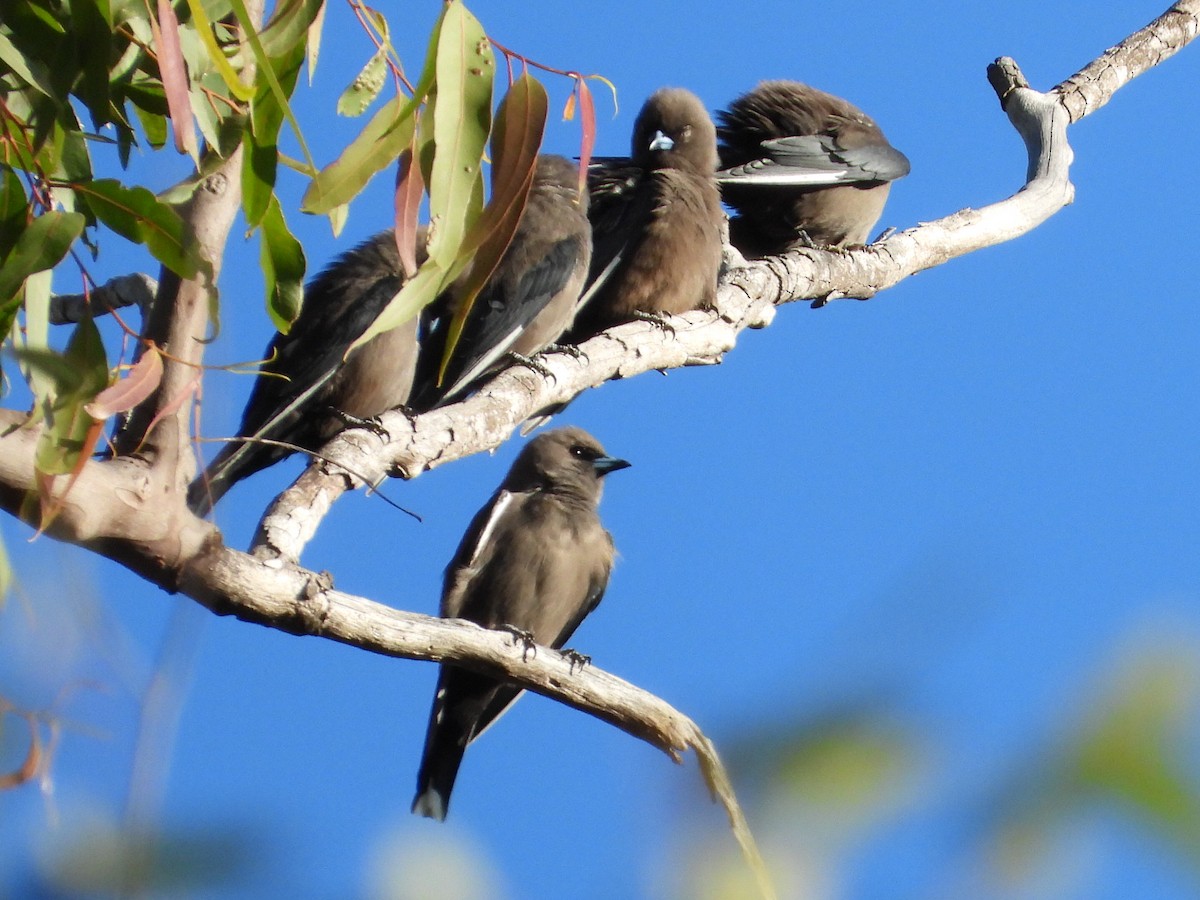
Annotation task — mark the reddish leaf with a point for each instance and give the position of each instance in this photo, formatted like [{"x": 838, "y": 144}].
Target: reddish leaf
[
  {"x": 142, "y": 380},
  {"x": 174, "y": 77},
  {"x": 410, "y": 187},
  {"x": 51, "y": 505},
  {"x": 33, "y": 760},
  {"x": 587, "y": 115},
  {"x": 172, "y": 405}
]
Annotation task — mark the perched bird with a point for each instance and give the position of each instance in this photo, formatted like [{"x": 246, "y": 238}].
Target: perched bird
[
  {"x": 656, "y": 219},
  {"x": 305, "y": 384},
  {"x": 801, "y": 167},
  {"x": 528, "y": 302},
  {"x": 535, "y": 560}
]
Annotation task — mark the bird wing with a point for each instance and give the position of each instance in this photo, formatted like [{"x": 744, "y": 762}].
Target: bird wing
[
  {"x": 618, "y": 212},
  {"x": 818, "y": 160},
  {"x": 313, "y": 351},
  {"x": 474, "y": 550},
  {"x": 503, "y": 310},
  {"x": 300, "y": 365},
  {"x": 506, "y": 694}
]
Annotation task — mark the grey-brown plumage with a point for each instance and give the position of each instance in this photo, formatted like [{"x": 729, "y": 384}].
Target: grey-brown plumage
[
  {"x": 535, "y": 558},
  {"x": 800, "y": 166},
  {"x": 656, "y": 221},
  {"x": 308, "y": 382},
  {"x": 529, "y": 301}
]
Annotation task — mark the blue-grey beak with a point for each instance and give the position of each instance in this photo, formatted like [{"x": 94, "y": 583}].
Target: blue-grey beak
[
  {"x": 661, "y": 142},
  {"x": 605, "y": 464}
]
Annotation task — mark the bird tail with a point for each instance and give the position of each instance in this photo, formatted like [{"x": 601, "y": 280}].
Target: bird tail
[
  {"x": 465, "y": 704},
  {"x": 444, "y": 747}
]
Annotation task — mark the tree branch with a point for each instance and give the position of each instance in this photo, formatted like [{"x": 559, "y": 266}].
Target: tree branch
[
  {"x": 117, "y": 293},
  {"x": 746, "y": 299}
]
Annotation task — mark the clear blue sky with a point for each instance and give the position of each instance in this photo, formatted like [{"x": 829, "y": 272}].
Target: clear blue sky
[{"x": 957, "y": 503}]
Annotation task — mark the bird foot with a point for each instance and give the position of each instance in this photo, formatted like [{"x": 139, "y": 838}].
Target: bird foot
[
  {"x": 372, "y": 424},
  {"x": 530, "y": 362},
  {"x": 576, "y": 659},
  {"x": 569, "y": 349},
  {"x": 658, "y": 320},
  {"x": 410, "y": 413},
  {"x": 523, "y": 637}
]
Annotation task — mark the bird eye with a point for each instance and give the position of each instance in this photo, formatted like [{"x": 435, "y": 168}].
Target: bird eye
[{"x": 581, "y": 452}]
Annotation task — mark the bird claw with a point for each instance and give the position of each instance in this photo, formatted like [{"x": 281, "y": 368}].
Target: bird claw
[
  {"x": 803, "y": 240},
  {"x": 372, "y": 424},
  {"x": 575, "y": 658},
  {"x": 569, "y": 349},
  {"x": 409, "y": 413},
  {"x": 530, "y": 362},
  {"x": 658, "y": 320},
  {"x": 523, "y": 637}
]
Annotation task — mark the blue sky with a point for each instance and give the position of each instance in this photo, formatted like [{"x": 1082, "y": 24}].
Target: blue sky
[{"x": 961, "y": 504}]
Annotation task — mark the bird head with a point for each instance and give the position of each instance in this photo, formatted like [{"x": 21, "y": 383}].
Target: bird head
[{"x": 673, "y": 130}]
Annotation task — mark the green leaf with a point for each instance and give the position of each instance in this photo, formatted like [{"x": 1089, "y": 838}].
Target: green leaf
[
  {"x": 288, "y": 27},
  {"x": 366, "y": 86},
  {"x": 14, "y": 210},
  {"x": 461, "y": 122},
  {"x": 48, "y": 141},
  {"x": 91, "y": 28},
  {"x": 34, "y": 337},
  {"x": 516, "y": 139},
  {"x": 42, "y": 245},
  {"x": 82, "y": 375},
  {"x": 28, "y": 69},
  {"x": 262, "y": 153},
  {"x": 6, "y": 574},
  {"x": 377, "y": 145},
  {"x": 146, "y": 96},
  {"x": 45, "y": 17},
  {"x": 153, "y": 126},
  {"x": 461, "y": 112},
  {"x": 37, "y": 311},
  {"x": 314, "y": 42},
  {"x": 216, "y": 54},
  {"x": 136, "y": 214},
  {"x": 283, "y": 263},
  {"x": 267, "y": 77},
  {"x": 415, "y": 295}
]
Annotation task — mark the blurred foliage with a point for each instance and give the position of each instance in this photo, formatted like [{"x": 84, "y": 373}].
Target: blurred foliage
[
  {"x": 103, "y": 860},
  {"x": 1126, "y": 754},
  {"x": 821, "y": 790}
]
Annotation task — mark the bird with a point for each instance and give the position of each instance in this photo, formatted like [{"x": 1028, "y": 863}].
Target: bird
[
  {"x": 656, "y": 218},
  {"x": 527, "y": 303},
  {"x": 534, "y": 561},
  {"x": 801, "y": 167},
  {"x": 308, "y": 389}
]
